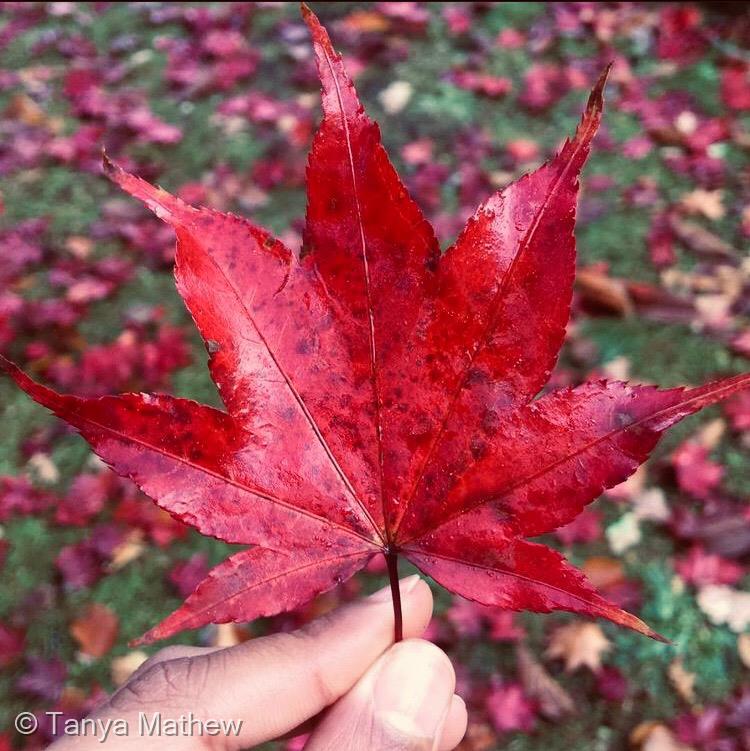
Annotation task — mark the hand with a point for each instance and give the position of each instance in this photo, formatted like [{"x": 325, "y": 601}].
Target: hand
[{"x": 340, "y": 677}]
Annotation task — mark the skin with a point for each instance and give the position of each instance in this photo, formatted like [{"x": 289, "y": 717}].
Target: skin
[{"x": 340, "y": 678}]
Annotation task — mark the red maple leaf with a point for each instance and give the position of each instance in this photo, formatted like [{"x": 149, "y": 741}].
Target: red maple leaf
[{"x": 379, "y": 394}]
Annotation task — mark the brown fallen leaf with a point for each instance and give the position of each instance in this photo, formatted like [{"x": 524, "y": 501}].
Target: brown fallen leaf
[
  {"x": 479, "y": 737},
  {"x": 682, "y": 680},
  {"x": 554, "y": 701},
  {"x": 653, "y": 736},
  {"x": 700, "y": 240},
  {"x": 743, "y": 649},
  {"x": 44, "y": 469},
  {"x": 395, "y": 96},
  {"x": 724, "y": 279},
  {"x": 667, "y": 136},
  {"x": 711, "y": 433},
  {"x": 366, "y": 21},
  {"x": 617, "y": 369},
  {"x": 96, "y": 630},
  {"x": 72, "y": 699},
  {"x": 660, "y": 302},
  {"x": 671, "y": 302},
  {"x": 123, "y": 667},
  {"x": 727, "y": 535},
  {"x": 579, "y": 645},
  {"x": 651, "y": 505},
  {"x": 128, "y": 550},
  {"x": 724, "y": 605},
  {"x": 707, "y": 203},
  {"x": 603, "y": 571},
  {"x": 79, "y": 246},
  {"x": 603, "y": 292},
  {"x": 227, "y": 635},
  {"x": 714, "y": 311},
  {"x": 24, "y": 109}
]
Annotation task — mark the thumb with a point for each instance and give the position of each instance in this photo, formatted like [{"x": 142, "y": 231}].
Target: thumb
[
  {"x": 282, "y": 680},
  {"x": 404, "y": 702}
]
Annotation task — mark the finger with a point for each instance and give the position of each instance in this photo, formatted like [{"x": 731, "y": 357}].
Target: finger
[
  {"x": 452, "y": 735},
  {"x": 172, "y": 652},
  {"x": 276, "y": 683},
  {"x": 402, "y": 703},
  {"x": 455, "y": 725}
]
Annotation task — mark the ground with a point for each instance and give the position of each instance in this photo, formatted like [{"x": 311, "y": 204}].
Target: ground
[{"x": 218, "y": 103}]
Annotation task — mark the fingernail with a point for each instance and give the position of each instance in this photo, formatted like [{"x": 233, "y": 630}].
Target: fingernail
[
  {"x": 413, "y": 690},
  {"x": 405, "y": 586}
]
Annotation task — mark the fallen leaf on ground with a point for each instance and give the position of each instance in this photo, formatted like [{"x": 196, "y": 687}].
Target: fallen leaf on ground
[
  {"x": 651, "y": 505},
  {"x": 95, "y": 631},
  {"x": 682, "y": 680},
  {"x": 708, "y": 203},
  {"x": 725, "y": 606},
  {"x": 579, "y": 645},
  {"x": 653, "y": 736},
  {"x": 624, "y": 533},
  {"x": 553, "y": 700},
  {"x": 604, "y": 292},
  {"x": 743, "y": 649},
  {"x": 509, "y": 708},
  {"x": 700, "y": 240},
  {"x": 603, "y": 572},
  {"x": 123, "y": 667}
]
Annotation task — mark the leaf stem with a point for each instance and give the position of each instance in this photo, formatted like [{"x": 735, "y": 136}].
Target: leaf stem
[{"x": 391, "y": 558}]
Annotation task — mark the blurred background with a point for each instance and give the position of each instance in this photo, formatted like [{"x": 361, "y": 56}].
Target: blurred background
[{"x": 218, "y": 103}]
